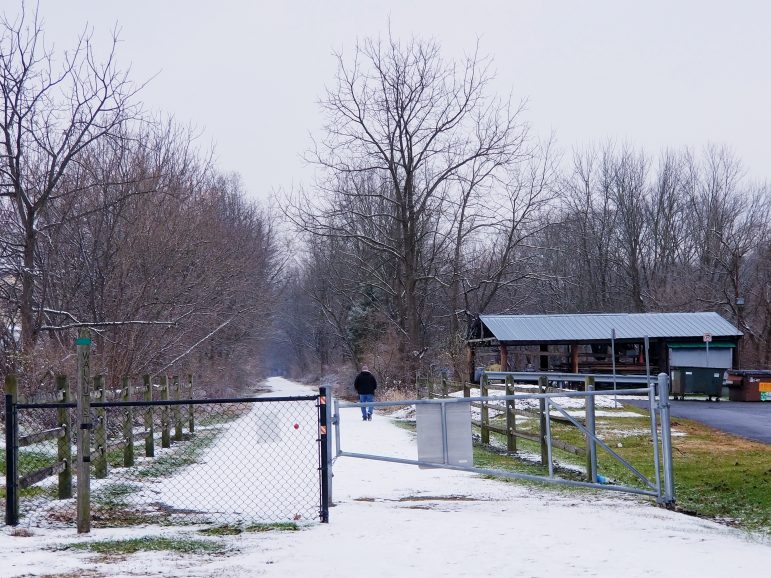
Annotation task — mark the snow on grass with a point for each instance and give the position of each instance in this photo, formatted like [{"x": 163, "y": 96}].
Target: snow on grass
[
  {"x": 395, "y": 520},
  {"x": 270, "y": 451}
]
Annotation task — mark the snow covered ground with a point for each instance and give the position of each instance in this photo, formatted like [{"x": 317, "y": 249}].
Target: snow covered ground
[{"x": 398, "y": 520}]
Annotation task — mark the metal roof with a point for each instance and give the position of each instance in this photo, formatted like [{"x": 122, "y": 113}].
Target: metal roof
[{"x": 597, "y": 327}]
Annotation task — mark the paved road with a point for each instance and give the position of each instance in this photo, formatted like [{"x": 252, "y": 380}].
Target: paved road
[{"x": 751, "y": 420}]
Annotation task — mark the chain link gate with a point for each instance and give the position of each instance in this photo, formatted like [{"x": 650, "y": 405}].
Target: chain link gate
[
  {"x": 227, "y": 461},
  {"x": 447, "y": 441}
]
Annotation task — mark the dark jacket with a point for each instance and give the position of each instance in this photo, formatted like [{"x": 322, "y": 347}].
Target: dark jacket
[{"x": 365, "y": 383}]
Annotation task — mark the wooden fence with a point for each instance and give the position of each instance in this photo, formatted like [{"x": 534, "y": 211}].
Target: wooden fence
[{"x": 172, "y": 422}]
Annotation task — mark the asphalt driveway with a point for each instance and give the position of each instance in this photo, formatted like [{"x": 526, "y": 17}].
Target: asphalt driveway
[{"x": 751, "y": 420}]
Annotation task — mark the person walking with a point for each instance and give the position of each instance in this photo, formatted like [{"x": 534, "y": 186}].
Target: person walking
[{"x": 365, "y": 385}]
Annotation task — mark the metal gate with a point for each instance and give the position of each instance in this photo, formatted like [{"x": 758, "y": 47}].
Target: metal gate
[
  {"x": 233, "y": 461},
  {"x": 659, "y": 485}
]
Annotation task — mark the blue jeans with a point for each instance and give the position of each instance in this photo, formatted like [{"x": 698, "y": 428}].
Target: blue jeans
[{"x": 365, "y": 398}]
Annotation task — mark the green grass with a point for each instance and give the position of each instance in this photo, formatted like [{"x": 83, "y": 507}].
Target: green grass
[
  {"x": 717, "y": 475},
  {"x": 114, "y": 495},
  {"x": 30, "y": 461},
  {"x": 180, "y": 457},
  {"x": 148, "y": 544},
  {"x": 230, "y": 530}
]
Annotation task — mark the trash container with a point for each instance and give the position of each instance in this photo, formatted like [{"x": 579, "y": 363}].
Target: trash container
[
  {"x": 749, "y": 385},
  {"x": 704, "y": 380}
]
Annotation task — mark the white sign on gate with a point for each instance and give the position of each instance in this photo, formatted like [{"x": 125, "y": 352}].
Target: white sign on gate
[
  {"x": 707, "y": 337},
  {"x": 432, "y": 436}
]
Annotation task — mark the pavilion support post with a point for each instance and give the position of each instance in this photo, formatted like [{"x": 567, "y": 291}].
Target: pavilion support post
[
  {"x": 544, "y": 358},
  {"x": 470, "y": 358},
  {"x": 574, "y": 357},
  {"x": 504, "y": 358}
]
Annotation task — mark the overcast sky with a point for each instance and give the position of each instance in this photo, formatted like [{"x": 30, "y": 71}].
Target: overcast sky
[{"x": 249, "y": 74}]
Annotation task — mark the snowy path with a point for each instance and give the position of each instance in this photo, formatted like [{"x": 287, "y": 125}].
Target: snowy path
[
  {"x": 393, "y": 520},
  {"x": 261, "y": 467}
]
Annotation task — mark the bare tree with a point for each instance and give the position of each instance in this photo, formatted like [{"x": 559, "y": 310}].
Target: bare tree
[
  {"x": 51, "y": 113},
  {"x": 409, "y": 140}
]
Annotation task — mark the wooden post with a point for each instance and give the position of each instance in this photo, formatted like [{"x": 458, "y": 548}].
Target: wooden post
[
  {"x": 165, "y": 414},
  {"x": 470, "y": 358},
  {"x": 543, "y": 358},
  {"x": 100, "y": 435},
  {"x": 149, "y": 425},
  {"x": 511, "y": 417},
  {"x": 128, "y": 426},
  {"x": 504, "y": 358},
  {"x": 484, "y": 428},
  {"x": 591, "y": 445},
  {"x": 177, "y": 411},
  {"x": 430, "y": 387},
  {"x": 466, "y": 389},
  {"x": 445, "y": 388},
  {"x": 11, "y": 452},
  {"x": 574, "y": 357},
  {"x": 543, "y": 383},
  {"x": 191, "y": 406},
  {"x": 84, "y": 430},
  {"x": 64, "y": 453}
]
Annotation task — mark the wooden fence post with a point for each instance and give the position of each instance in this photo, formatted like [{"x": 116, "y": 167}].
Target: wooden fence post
[
  {"x": 543, "y": 383},
  {"x": 165, "y": 414},
  {"x": 100, "y": 436},
  {"x": 430, "y": 387},
  {"x": 149, "y": 424},
  {"x": 591, "y": 445},
  {"x": 190, "y": 407},
  {"x": 64, "y": 453},
  {"x": 84, "y": 430},
  {"x": 128, "y": 426},
  {"x": 445, "y": 388},
  {"x": 177, "y": 411},
  {"x": 484, "y": 428},
  {"x": 11, "y": 452},
  {"x": 466, "y": 389},
  {"x": 511, "y": 417}
]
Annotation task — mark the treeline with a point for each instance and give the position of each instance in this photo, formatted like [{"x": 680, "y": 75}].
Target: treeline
[
  {"x": 112, "y": 219},
  {"x": 436, "y": 204}
]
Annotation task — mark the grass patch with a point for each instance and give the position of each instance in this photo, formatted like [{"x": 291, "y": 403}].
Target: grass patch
[
  {"x": 230, "y": 530},
  {"x": 723, "y": 477},
  {"x": 114, "y": 495},
  {"x": 277, "y": 526},
  {"x": 180, "y": 457},
  {"x": 717, "y": 475},
  {"x": 148, "y": 544}
]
